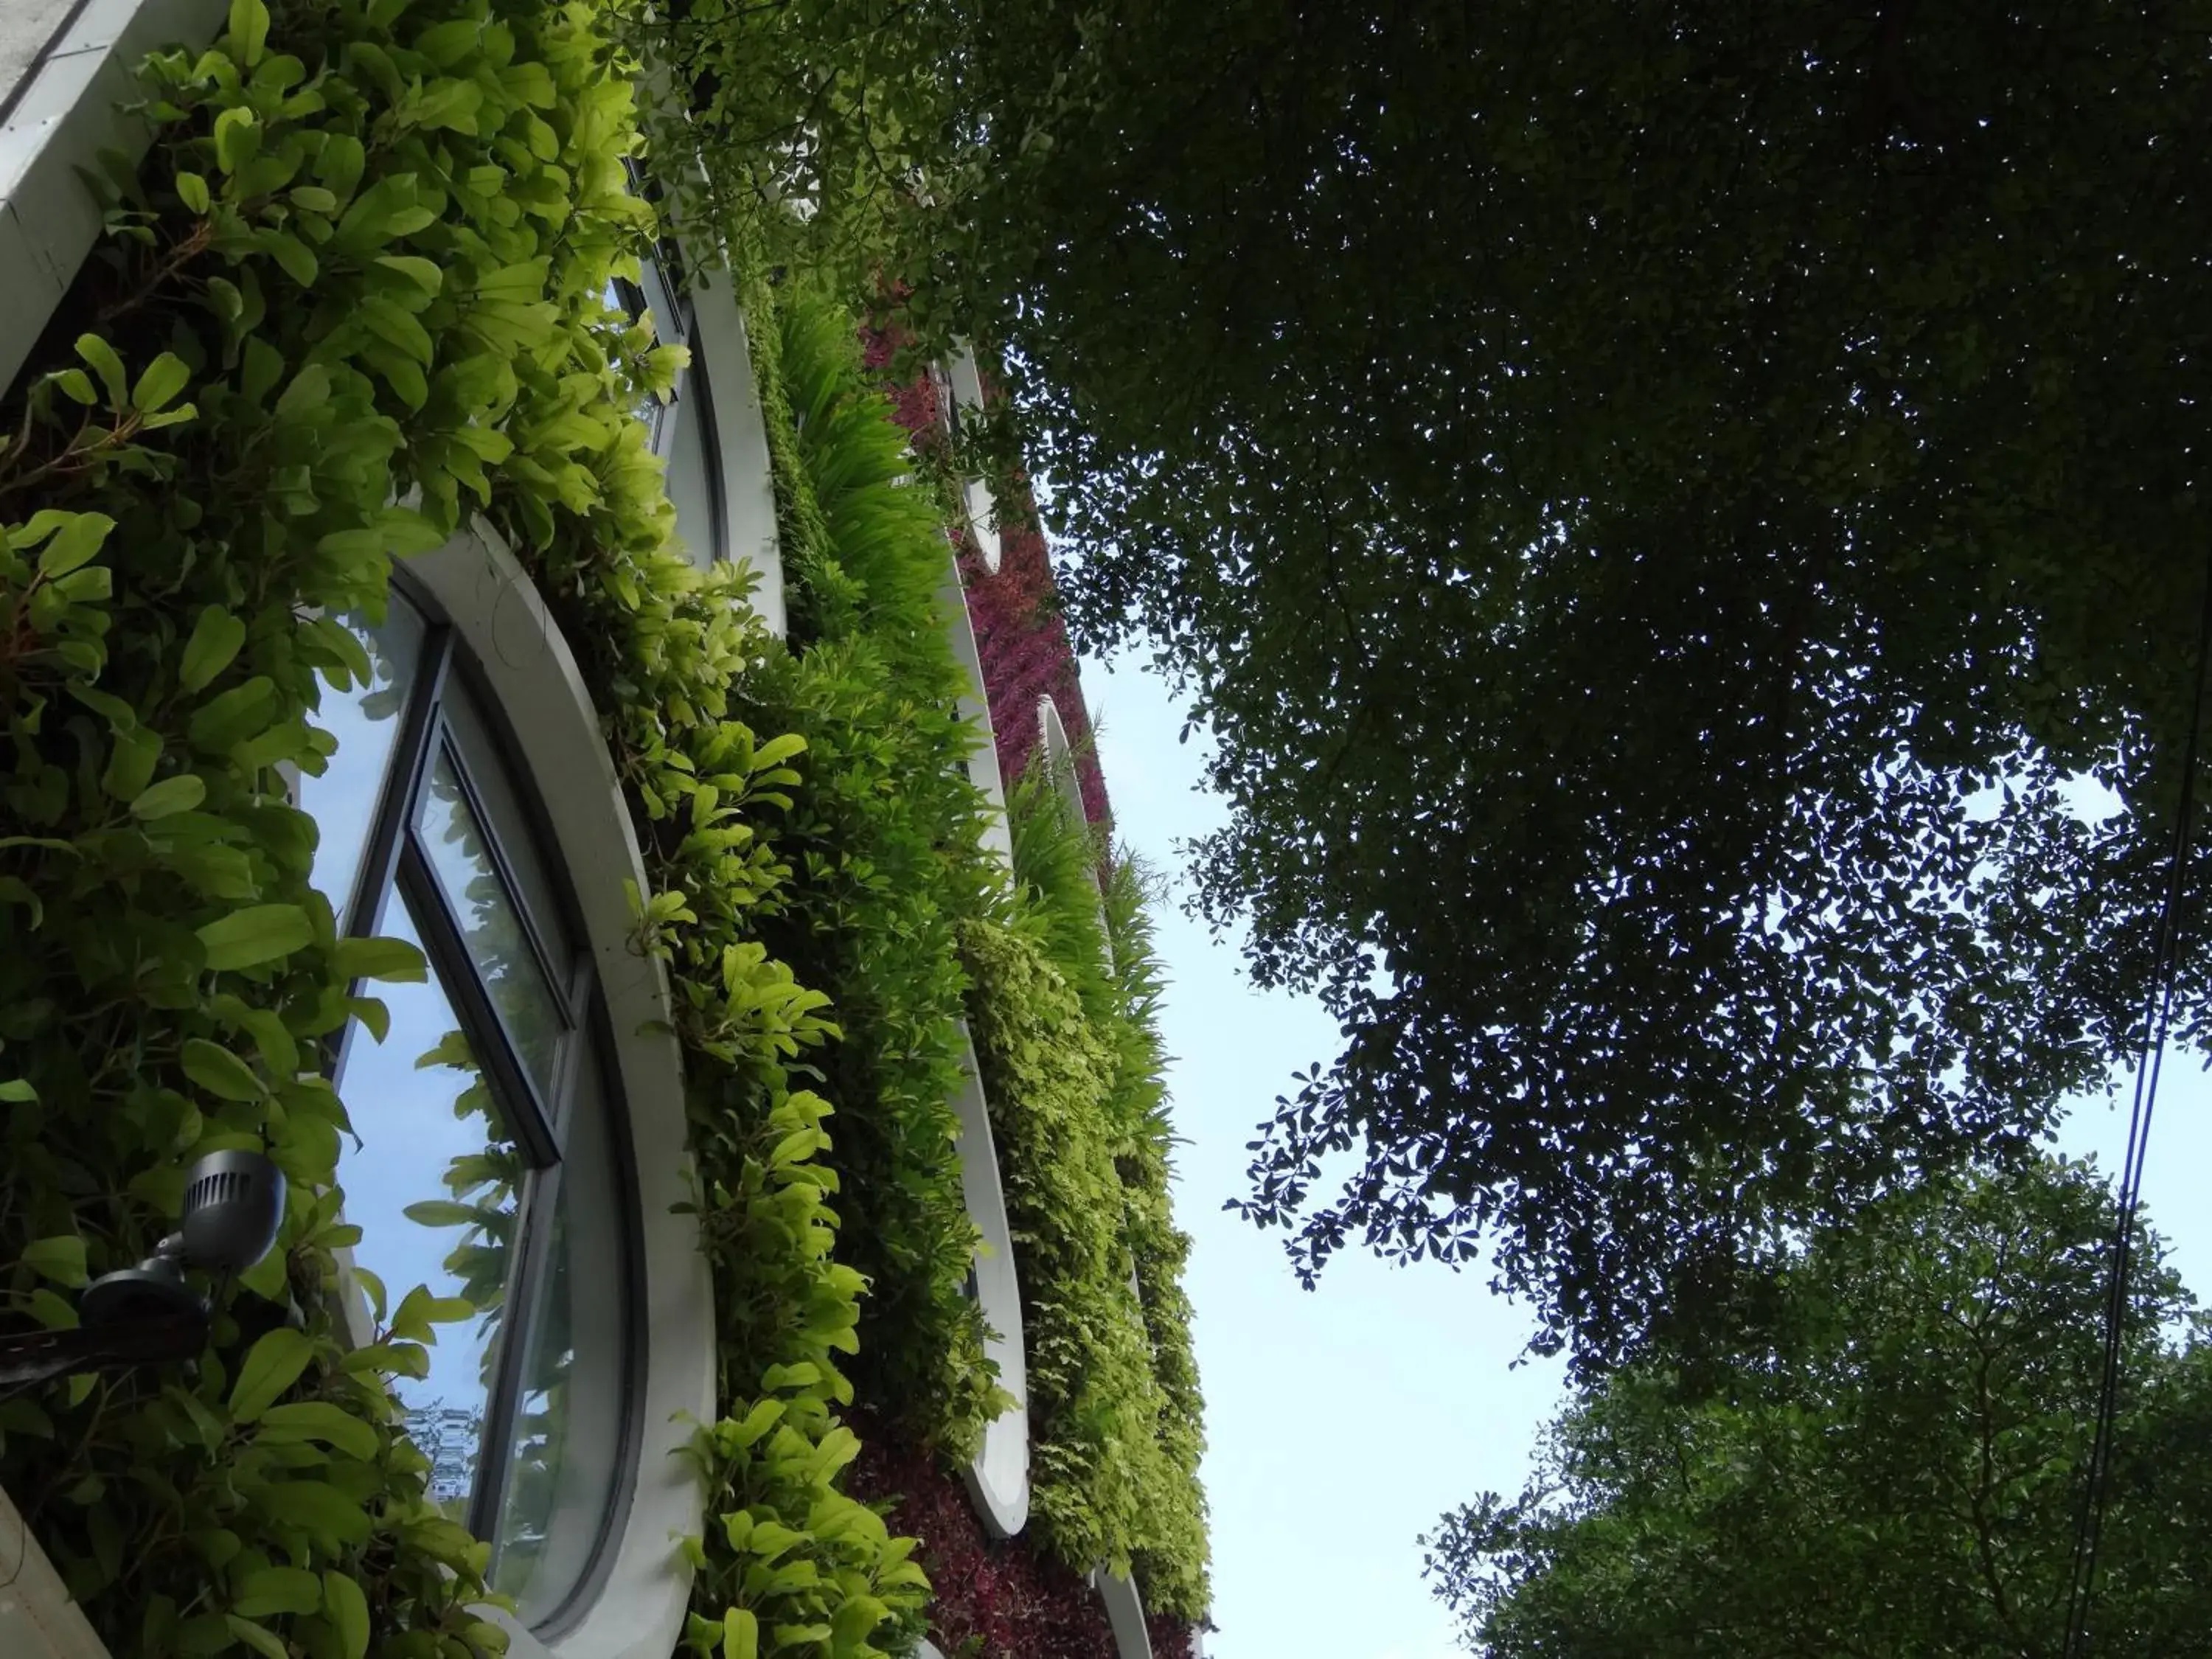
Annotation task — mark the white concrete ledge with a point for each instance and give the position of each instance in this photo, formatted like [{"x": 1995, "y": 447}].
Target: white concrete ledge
[
  {"x": 66, "y": 111},
  {"x": 37, "y": 1621}
]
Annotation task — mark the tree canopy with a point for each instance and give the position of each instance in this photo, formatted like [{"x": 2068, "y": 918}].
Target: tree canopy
[
  {"x": 1654, "y": 502},
  {"x": 1896, "y": 1471}
]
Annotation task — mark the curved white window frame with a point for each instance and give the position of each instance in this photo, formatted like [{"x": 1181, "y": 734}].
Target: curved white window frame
[
  {"x": 998, "y": 1479},
  {"x": 722, "y": 349},
  {"x": 636, "y": 1610},
  {"x": 1125, "y": 1612},
  {"x": 964, "y": 386},
  {"x": 1053, "y": 746},
  {"x": 976, "y": 708},
  {"x": 719, "y": 391}
]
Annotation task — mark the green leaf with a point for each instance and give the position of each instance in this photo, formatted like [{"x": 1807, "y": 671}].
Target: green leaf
[
  {"x": 272, "y": 1365},
  {"x": 319, "y": 1420},
  {"x": 192, "y": 192},
  {"x": 297, "y": 260},
  {"x": 778, "y": 749},
  {"x": 79, "y": 538},
  {"x": 258, "y": 934},
  {"x": 257, "y": 1636},
  {"x": 237, "y": 137},
  {"x": 105, "y": 364},
  {"x": 348, "y": 1609},
  {"x": 228, "y": 720},
  {"x": 740, "y": 1634},
  {"x": 249, "y": 30},
  {"x": 220, "y": 1071},
  {"x": 418, "y": 270},
  {"x": 392, "y": 960},
  {"x": 442, "y": 1212},
  {"x": 157, "y": 388},
  {"x": 277, "y": 1589},
  {"x": 60, "y": 1259},
  {"x": 17, "y": 1090},
  {"x": 133, "y": 757},
  {"x": 178, "y": 794},
  {"x": 217, "y": 637},
  {"x": 317, "y": 1508}
]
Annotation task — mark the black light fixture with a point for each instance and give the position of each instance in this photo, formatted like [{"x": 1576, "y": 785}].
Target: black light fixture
[{"x": 233, "y": 1206}]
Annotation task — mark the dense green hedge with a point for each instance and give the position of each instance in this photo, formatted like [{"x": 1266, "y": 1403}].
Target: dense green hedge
[
  {"x": 1063, "y": 1014},
  {"x": 364, "y": 262},
  {"x": 370, "y": 266},
  {"x": 882, "y": 840}
]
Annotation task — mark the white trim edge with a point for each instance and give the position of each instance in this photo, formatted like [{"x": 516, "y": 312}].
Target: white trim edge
[
  {"x": 1125, "y": 1611},
  {"x": 998, "y": 1479},
  {"x": 37, "y": 1620},
  {"x": 975, "y": 709}
]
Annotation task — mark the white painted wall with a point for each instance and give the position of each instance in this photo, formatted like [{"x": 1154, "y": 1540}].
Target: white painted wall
[{"x": 26, "y": 26}]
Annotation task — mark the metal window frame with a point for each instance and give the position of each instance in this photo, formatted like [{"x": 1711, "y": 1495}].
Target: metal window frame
[{"x": 394, "y": 861}]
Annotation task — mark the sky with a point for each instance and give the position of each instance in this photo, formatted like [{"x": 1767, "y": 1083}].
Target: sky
[{"x": 1342, "y": 1423}]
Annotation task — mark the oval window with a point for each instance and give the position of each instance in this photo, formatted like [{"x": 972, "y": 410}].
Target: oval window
[
  {"x": 485, "y": 1163},
  {"x": 683, "y": 424}
]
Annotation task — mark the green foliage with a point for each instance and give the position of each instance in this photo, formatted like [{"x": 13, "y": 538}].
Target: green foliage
[
  {"x": 375, "y": 268},
  {"x": 1893, "y": 1467},
  {"x": 1616, "y": 493},
  {"x": 883, "y": 841}
]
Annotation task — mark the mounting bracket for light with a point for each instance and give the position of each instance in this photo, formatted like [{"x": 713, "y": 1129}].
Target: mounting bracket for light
[{"x": 233, "y": 1206}]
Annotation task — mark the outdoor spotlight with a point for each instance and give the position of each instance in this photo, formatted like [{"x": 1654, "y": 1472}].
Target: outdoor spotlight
[{"x": 233, "y": 1205}]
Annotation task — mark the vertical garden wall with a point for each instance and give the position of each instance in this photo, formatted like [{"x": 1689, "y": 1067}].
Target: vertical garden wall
[{"x": 357, "y": 344}]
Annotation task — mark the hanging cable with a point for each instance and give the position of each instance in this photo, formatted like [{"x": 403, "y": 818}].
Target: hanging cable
[{"x": 2158, "y": 1018}]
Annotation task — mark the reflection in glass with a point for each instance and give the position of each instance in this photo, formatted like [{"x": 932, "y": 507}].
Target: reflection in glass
[
  {"x": 432, "y": 1185},
  {"x": 567, "y": 1427},
  {"x": 491, "y": 922},
  {"x": 691, "y": 476},
  {"x": 631, "y": 302},
  {"x": 365, "y": 719}
]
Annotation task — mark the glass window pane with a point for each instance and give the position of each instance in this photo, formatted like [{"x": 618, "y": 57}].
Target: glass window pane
[
  {"x": 568, "y": 1434},
  {"x": 433, "y": 1185},
  {"x": 485, "y": 757},
  {"x": 491, "y": 923},
  {"x": 366, "y": 722},
  {"x": 691, "y": 463}
]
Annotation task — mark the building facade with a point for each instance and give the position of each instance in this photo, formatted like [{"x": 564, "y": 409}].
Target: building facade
[{"x": 525, "y": 716}]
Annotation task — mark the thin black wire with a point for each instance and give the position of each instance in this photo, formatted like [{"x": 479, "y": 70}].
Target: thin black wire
[{"x": 2158, "y": 1019}]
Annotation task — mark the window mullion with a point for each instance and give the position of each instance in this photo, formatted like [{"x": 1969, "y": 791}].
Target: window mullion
[
  {"x": 444, "y": 938},
  {"x": 539, "y": 1205},
  {"x": 557, "y": 974},
  {"x": 402, "y": 777}
]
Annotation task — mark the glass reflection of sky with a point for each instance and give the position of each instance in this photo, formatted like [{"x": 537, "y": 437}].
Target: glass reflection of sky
[
  {"x": 413, "y": 1123},
  {"x": 491, "y": 923},
  {"x": 366, "y": 722}
]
